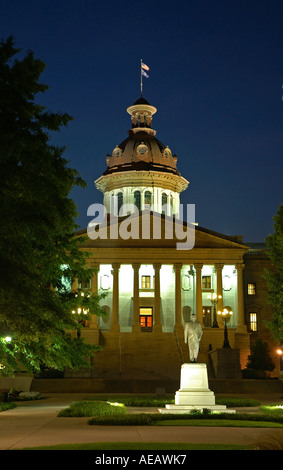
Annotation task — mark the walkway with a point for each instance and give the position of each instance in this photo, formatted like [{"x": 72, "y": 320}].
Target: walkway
[{"x": 33, "y": 424}]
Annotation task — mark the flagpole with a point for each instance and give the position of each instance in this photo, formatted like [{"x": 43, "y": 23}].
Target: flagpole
[{"x": 141, "y": 78}]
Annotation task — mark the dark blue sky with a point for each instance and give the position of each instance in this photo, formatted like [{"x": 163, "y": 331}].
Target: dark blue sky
[{"x": 216, "y": 75}]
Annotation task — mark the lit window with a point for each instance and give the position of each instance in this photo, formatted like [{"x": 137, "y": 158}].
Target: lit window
[
  {"x": 147, "y": 198},
  {"x": 253, "y": 321},
  {"x": 145, "y": 282},
  {"x": 251, "y": 289},
  {"x": 206, "y": 282},
  {"x": 164, "y": 200},
  {"x": 120, "y": 201},
  {"x": 137, "y": 199}
]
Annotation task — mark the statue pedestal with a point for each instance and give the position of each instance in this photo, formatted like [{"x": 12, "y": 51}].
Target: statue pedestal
[{"x": 194, "y": 393}]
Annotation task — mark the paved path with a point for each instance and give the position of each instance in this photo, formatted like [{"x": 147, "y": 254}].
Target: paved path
[{"x": 33, "y": 424}]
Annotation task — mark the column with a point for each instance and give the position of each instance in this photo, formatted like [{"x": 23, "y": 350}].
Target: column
[
  {"x": 115, "y": 298},
  {"x": 136, "y": 300},
  {"x": 240, "y": 292},
  {"x": 218, "y": 269},
  {"x": 178, "y": 301},
  {"x": 94, "y": 291},
  {"x": 199, "y": 313},
  {"x": 157, "y": 323}
]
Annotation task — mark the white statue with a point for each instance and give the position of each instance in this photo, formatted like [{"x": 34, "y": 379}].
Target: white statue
[{"x": 192, "y": 337}]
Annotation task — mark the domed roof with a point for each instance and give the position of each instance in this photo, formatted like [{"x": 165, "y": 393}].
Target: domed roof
[{"x": 141, "y": 150}]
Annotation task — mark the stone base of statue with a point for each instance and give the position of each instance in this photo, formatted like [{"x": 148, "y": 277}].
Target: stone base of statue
[{"x": 194, "y": 393}]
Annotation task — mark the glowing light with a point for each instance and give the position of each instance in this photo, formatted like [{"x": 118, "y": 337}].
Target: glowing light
[
  {"x": 214, "y": 296},
  {"x": 115, "y": 403},
  {"x": 279, "y": 351},
  {"x": 7, "y": 339}
]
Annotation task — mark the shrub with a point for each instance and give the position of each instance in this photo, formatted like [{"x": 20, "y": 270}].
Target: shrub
[
  {"x": 259, "y": 359},
  {"x": 25, "y": 396},
  {"x": 92, "y": 408}
]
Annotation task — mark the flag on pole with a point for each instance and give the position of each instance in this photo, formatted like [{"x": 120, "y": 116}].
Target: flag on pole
[
  {"x": 143, "y": 73},
  {"x": 145, "y": 67}
]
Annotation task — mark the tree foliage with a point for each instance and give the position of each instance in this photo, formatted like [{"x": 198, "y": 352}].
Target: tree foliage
[
  {"x": 37, "y": 233},
  {"x": 274, "y": 276},
  {"x": 259, "y": 359}
]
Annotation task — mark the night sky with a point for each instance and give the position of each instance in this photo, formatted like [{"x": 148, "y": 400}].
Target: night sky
[{"x": 216, "y": 75}]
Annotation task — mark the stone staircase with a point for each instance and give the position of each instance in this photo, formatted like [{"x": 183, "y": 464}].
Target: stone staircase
[{"x": 140, "y": 356}]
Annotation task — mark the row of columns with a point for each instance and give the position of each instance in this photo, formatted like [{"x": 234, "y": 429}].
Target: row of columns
[{"x": 178, "y": 303}]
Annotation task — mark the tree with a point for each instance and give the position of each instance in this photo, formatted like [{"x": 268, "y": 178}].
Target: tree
[
  {"x": 38, "y": 244},
  {"x": 259, "y": 360},
  {"x": 274, "y": 277}
]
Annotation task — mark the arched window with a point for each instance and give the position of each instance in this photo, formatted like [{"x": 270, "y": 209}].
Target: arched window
[
  {"x": 164, "y": 203},
  {"x": 120, "y": 201},
  {"x": 147, "y": 198},
  {"x": 137, "y": 199}
]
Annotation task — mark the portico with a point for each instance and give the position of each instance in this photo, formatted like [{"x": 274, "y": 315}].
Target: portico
[{"x": 184, "y": 285}]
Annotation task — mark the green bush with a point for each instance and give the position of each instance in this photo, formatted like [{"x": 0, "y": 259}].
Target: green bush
[{"x": 92, "y": 408}]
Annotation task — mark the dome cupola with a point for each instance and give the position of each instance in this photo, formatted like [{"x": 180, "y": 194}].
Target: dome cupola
[{"x": 141, "y": 168}]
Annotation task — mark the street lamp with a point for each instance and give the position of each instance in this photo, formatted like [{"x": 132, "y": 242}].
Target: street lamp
[
  {"x": 83, "y": 315},
  {"x": 214, "y": 298},
  {"x": 226, "y": 315}
]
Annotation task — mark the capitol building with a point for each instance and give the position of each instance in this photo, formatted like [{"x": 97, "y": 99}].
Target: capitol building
[{"x": 157, "y": 267}]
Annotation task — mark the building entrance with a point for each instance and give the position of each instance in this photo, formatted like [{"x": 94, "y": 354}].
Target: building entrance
[{"x": 146, "y": 319}]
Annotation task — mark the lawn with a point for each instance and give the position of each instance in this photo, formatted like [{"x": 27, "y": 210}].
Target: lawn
[
  {"x": 149, "y": 446},
  {"x": 114, "y": 413}
]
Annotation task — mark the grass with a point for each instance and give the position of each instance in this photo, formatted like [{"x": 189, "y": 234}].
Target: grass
[
  {"x": 190, "y": 419},
  {"x": 274, "y": 410},
  {"x": 155, "y": 401},
  {"x": 7, "y": 406},
  {"x": 93, "y": 408},
  {"x": 110, "y": 413},
  {"x": 141, "y": 446},
  {"x": 239, "y": 423}
]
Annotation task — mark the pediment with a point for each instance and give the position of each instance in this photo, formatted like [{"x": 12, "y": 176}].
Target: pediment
[{"x": 150, "y": 230}]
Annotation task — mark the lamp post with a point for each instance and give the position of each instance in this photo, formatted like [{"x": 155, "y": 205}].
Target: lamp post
[
  {"x": 226, "y": 314},
  {"x": 214, "y": 299},
  {"x": 83, "y": 315}
]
